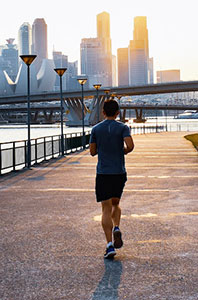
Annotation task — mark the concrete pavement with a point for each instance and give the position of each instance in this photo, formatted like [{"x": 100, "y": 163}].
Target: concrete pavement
[{"x": 52, "y": 243}]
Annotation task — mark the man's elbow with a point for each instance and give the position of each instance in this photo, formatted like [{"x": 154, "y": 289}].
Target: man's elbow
[
  {"x": 129, "y": 149},
  {"x": 92, "y": 153},
  {"x": 132, "y": 148}
]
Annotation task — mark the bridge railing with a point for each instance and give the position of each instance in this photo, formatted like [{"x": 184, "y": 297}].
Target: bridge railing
[{"x": 13, "y": 155}]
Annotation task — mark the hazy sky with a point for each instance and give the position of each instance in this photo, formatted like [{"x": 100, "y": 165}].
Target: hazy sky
[{"x": 172, "y": 27}]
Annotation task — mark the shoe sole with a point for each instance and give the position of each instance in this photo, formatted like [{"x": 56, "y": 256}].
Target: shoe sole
[
  {"x": 118, "y": 243},
  {"x": 110, "y": 255}
]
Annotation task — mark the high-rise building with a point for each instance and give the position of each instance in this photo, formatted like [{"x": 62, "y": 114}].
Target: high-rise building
[
  {"x": 140, "y": 32},
  {"x": 103, "y": 33},
  {"x": 73, "y": 68},
  {"x": 25, "y": 39},
  {"x": 168, "y": 76},
  {"x": 39, "y": 41},
  {"x": 150, "y": 71},
  {"x": 60, "y": 61},
  {"x": 139, "y": 53},
  {"x": 96, "y": 56},
  {"x": 10, "y": 59},
  {"x": 123, "y": 69},
  {"x": 92, "y": 61},
  {"x": 114, "y": 71},
  {"x": 138, "y": 67},
  {"x": 69, "y": 80}
]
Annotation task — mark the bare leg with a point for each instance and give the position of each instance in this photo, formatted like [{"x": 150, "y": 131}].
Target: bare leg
[
  {"x": 107, "y": 223},
  {"x": 116, "y": 211}
]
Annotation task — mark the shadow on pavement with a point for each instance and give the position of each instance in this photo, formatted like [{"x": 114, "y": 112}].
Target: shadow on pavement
[{"x": 107, "y": 288}]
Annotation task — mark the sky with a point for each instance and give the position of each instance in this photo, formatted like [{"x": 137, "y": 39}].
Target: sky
[{"x": 172, "y": 27}]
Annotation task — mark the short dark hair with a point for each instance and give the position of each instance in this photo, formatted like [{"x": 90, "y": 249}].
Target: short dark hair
[{"x": 110, "y": 107}]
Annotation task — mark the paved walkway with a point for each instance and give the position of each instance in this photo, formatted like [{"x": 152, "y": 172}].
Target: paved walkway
[{"x": 52, "y": 243}]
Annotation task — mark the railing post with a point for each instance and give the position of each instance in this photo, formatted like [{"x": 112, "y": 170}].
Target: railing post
[
  {"x": 59, "y": 144},
  {"x": 65, "y": 143},
  {"x": 52, "y": 147},
  {"x": 25, "y": 150},
  {"x": 13, "y": 156},
  {"x": 36, "y": 156},
  {"x": 44, "y": 145},
  {"x": 0, "y": 160}
]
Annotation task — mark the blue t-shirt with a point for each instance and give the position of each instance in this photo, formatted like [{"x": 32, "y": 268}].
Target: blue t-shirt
[{"x": 109, "y": 138}]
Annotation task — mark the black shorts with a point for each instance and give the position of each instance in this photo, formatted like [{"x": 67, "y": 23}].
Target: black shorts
[{"x": 109, "y": 186}]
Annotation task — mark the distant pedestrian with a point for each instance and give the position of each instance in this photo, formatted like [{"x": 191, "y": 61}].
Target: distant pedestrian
[{"x": 111, "y": 139}]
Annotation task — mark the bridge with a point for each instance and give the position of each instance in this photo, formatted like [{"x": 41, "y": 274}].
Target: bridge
[{"x": 73, "y": 101}]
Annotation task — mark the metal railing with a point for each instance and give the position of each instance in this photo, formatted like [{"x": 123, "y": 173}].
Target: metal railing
[
  {"x": 13, "y": 155},
  {"x": 147, "y": 129}
]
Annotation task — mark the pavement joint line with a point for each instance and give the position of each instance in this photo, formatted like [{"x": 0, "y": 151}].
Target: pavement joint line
[
  {"x": 128, "y": 167},
  {"x": 87, "y": 190},
  {"x": 154, "y": 176},
  {"x": 150, "y": 164},
  {"x": 164, "y": 156},
  {"x": 98, "y": 218},
  {"x": 132, "y": 164},
  {"x": 158, "y": 167}
]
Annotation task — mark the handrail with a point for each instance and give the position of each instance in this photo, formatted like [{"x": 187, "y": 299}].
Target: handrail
[{"x": 13, "y": 155}]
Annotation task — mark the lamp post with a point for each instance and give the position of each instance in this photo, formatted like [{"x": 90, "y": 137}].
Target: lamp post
[
  {"x": 97, "y": 87},
  {"x": 107, "y": 91},
  {"x": 28, "y": 59},
  {"x": 60, "y": 72},
  {"x": 82, "y": 81}
]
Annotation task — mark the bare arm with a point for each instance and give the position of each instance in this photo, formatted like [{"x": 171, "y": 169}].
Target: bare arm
[
  {"x": 93, "y": 149},
  {"x": 128, "y": 144}
]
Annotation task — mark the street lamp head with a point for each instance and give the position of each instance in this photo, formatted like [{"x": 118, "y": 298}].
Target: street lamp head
[
  {"x": 107, "y": 91},
  {"x": 28, "y": 59},
  {"x": 82, "y": 80},
  {"x": 60, "y": 71},
  {"x": 97, "y": 86}
]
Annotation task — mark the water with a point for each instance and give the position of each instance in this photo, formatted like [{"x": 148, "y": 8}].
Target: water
[{"x": 10, "y": 133}]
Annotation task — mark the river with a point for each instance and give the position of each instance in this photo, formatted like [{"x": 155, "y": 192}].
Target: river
[{"x": 12, "y": 132}]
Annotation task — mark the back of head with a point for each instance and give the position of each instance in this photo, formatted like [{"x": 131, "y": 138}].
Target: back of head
[{"x": 110, "y": 107}]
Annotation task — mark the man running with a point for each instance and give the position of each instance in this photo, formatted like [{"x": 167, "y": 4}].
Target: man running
[{"x": 111, "y": 139}]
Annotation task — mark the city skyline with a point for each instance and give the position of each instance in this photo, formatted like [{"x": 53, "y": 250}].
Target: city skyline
[{"x": 173, "y": 41}]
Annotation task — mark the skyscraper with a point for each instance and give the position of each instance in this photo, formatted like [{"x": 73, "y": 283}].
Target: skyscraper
[
  {"x": 114, "y": 71},
  {"x": 10, "y": 59},
  {"x": 25, "y": 39},
  {"x": 96, "y": 57},
  {"x": 92, "y": 60},
  {"x": 150, "y": 71},
  {"x": 60, "y": 61},
  {"x": 39, "y": 41},
  {"x": 103, "y": 33},
  {"x": 123, "y": 69},
  {"x": 138, "y": 66},
  {"x": 140, "y": 32},
  {"x": 139, "y": 53},
  {"x": 69, "y": 80}
]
